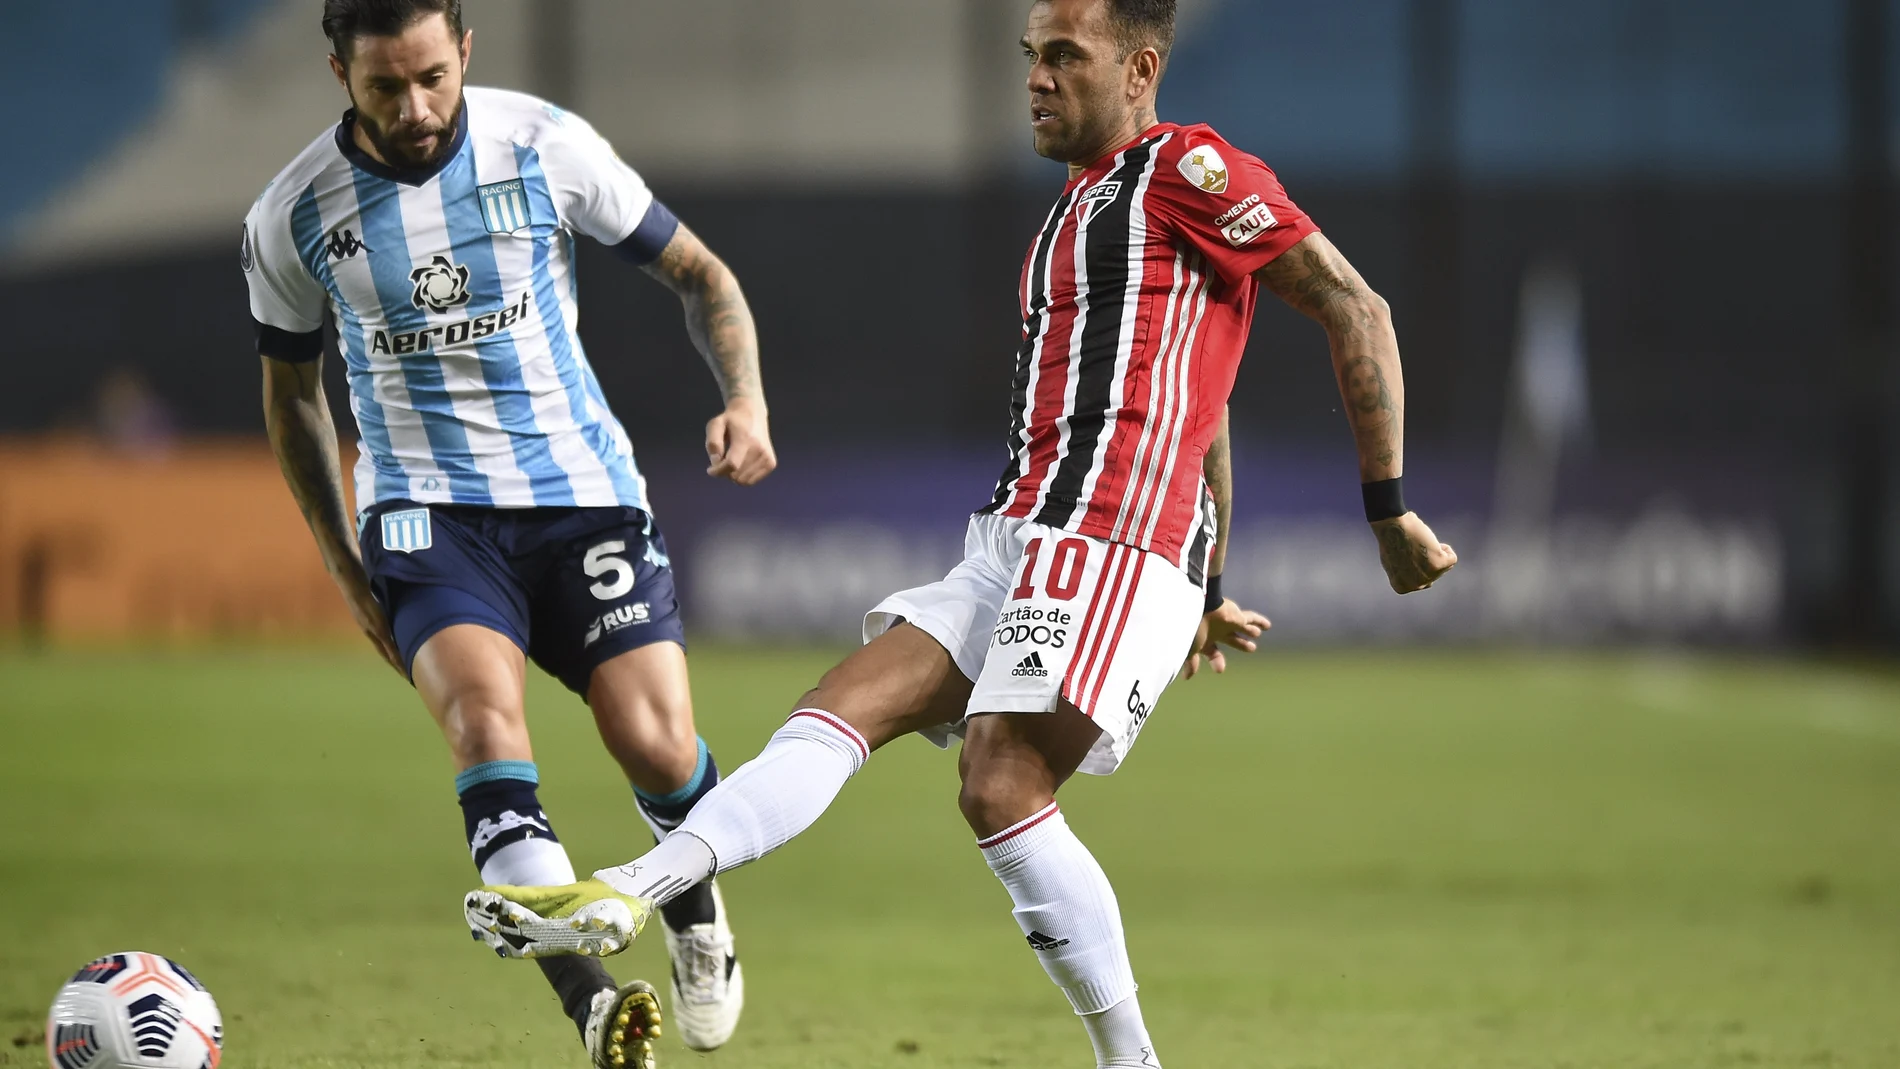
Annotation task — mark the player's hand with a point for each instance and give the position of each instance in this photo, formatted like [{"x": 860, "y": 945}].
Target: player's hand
[
  {"x": 1228, "y": 625},
  {"x": 1413, "y": 556},
  {"x": 369, "y": 616},
  {"x": 738, "y": 443}
]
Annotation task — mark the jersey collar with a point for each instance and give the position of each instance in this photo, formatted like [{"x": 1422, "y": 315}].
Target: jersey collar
[
  {"x": 1108, "y": 157},
  {"x": 363, "y": 161}
]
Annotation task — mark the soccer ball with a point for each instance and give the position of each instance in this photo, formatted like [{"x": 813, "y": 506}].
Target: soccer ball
[{"x": 134, "y": 1010}]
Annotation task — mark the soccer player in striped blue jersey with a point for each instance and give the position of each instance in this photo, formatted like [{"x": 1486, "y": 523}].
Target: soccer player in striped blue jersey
[{"x": 500, "y": 516}]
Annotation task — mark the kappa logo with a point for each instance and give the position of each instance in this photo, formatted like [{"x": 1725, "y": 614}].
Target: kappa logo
[
  {"x": 343, "y": 244},
  {"x": 440, "y": 286},
  {"x": 1205, "y": 169},
  {"x": 1031, "y": 666},
  {"x": 1044, "y": 943},
  {"x": 247, "y": 258},
  {"x": 489, "y": 830},
  {"x": 614, "y": 619}
]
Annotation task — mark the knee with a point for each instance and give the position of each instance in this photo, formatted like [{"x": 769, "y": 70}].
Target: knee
[
  {"x": 482, "y": 728},
  {"x": 650, "y": 734},
  {"x": 991, "y": 799}
]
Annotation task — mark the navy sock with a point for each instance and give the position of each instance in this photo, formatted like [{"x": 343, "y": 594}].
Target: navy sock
[
  {"x": 665, "y": 813},
  {"x": 500, "y": 809},
  {"x": 511, "y": 840}
]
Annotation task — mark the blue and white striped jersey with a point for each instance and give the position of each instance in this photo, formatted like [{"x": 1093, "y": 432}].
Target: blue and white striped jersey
[{"x": 453, "y": 294}]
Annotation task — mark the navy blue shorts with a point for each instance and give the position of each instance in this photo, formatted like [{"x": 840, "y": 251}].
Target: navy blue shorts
[{"x": 573, "y": 587}]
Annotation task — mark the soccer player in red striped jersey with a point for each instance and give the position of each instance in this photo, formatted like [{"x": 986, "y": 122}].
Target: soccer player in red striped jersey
[{"x": 1095, "y": 567}]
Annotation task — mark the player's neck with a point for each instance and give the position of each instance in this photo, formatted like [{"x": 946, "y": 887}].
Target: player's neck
[
  {"x": 364, "y": 144},
  {"x": 1131, "y": 128}
]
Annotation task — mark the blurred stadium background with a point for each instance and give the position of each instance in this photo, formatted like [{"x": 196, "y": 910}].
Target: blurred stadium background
[
  {"x": 1641, "y": 255},
  {"x": 1642, "y": 259}
]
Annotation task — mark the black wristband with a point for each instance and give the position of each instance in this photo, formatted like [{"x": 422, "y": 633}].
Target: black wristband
[
  {"x": 1384, "y": 499},
  {"x": 1214, "y": 597}
]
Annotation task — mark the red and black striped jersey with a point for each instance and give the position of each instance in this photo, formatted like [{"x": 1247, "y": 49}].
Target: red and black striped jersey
[{"x": 1137, "y": 295}]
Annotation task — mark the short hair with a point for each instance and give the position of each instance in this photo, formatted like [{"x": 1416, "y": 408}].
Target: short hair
[
  {"x": 1142, "y": 24},
  {"x": 346, "y": 20}
]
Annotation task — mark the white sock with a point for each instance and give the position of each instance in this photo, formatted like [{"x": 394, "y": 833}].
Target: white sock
[
  {"x": 760, "y": 807},
  {"x": 1120, "y": 1037},
  {"x": 1067, "y": 910},
  {"x": 530, "y": 863}
]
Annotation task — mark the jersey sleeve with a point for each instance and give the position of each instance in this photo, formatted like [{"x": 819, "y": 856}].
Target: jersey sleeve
[
  {"x": 598, "y": 195},
  {"x": 286, "y": 302},
  {"x": 1226, "y": 204}
]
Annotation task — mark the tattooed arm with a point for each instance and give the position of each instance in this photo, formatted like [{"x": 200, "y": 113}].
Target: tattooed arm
[
  {"x": 304, "y": 439},
  {"x": 1226, "y": 623},
  {"x": 738, "y": 443},
  {"x": 1314, "y": 277},
  {"x": 1318, "y": 282},
  {"x": 1218, "y": 469}
]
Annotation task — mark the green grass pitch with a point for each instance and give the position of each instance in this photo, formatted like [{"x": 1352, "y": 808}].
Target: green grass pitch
[{"x": 1414, "y": 861}]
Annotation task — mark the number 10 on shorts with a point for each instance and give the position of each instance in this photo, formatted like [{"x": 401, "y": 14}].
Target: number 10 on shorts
[{"x": 1064, "y": 578}]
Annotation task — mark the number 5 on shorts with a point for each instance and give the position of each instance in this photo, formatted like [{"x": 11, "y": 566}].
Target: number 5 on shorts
[
  {"x": 600, "y": 562},
  {"x": 1065, "y": 570}
]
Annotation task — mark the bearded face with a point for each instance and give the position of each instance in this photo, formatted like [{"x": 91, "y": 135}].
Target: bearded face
[{"x": 407, "y": 91}]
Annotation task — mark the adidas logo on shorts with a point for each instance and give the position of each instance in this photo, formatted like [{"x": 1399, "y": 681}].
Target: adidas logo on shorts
[{"x": 1031, "y": 666}]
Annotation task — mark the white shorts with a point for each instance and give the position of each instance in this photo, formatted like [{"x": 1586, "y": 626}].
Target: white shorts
[{"x": 1035, "y": 615}]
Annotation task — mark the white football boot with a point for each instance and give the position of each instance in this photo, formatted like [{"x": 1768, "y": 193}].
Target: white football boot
[
  {"x": 708, "y": 982},
  {"x": 621, "y": 1027}
]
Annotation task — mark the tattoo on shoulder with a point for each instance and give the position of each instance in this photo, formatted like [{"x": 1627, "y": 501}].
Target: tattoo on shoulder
[{"x": 1317, "y": 284}]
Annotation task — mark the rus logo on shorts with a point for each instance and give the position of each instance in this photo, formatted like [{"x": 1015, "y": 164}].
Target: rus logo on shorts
[{"x": 407, "y": 531}]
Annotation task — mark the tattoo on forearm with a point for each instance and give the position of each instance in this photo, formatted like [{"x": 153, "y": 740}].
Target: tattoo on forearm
[
  {"x": 717, "y": 317},
  {"x": 304, "y": 440},
  {"x": 1218, "y": 469},
  {"x": 1315, "y": 279}
]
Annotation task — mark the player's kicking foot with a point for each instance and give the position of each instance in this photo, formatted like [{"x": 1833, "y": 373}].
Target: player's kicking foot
[
  {"x": 587, "y": 918},
  {"x": 621, "y": 1027},
  {"x": 708, "y": 984}
]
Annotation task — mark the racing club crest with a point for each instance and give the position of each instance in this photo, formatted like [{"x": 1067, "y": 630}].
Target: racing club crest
[
  {"x": 504, "y": 207},
  {"x": 1205, "y": 169},
  {"x": 407, "y": 531},
  {"x": 440, "y": 286}
]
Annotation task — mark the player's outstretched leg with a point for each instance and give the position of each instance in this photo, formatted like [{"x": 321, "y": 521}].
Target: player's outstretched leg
[
  {"x": 900, "y": 682},
  {"x": 642, "y": 704},
  {"x": 760, "y": 807},
  {"x": 1011, "y": 766}
]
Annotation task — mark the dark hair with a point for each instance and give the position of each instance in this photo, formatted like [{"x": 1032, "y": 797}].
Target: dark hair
[
  {"x": 1143, "y": 24},
  {"x": 346, "y": 20}
]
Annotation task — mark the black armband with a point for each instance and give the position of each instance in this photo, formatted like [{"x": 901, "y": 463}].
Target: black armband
[
  {"x": 292, "y": 347},
  {"x": 650, "y": 238},
  {"x": 1214, "y": 597},
  {"x": 1384, "y": 499}
]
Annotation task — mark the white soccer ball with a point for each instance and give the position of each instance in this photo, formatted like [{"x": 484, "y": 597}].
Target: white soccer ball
[{"x": 134, "y": 1010}]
